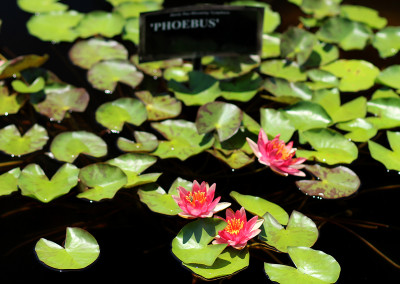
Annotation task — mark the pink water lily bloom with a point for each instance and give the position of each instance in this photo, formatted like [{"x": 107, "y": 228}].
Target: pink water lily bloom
[
  {"x": 239, "y": 230},
  {"x": 199, "y": 202},
  {"x": 277, "y": 155}
]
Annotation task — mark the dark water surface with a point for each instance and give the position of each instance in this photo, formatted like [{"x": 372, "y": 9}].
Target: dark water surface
[{"x": 135, "y": 242}]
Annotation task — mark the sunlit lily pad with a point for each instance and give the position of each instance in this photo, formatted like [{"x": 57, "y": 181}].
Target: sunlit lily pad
[
  {"x": 113, "y": 115},
  {"x": 242, "y": 88},
  {"x": 313, "y": 267},
  {"x": 356, "y": 75},
  {"x": 36, "y": 86},
  {"x": 320, "y": 8},
  {"x": 145, "y": 142},
  {"x": 387, "y": 41},
  {"x": 235, "y": 159},
  {"x": 229, "y": 262},
  {"x": 9, "y": 103},
  {"x": 360, "y": 130},
  {"x": 330, "y": 146},
  {"x": 384, "y": 92},
  {"x": 297, "y": 44},
  {"x": 287, "y": 92},
  {"x": 191, "y": 245},
  {"x": 386, "y": 111},
  {"x": 223, "y": 117},
  {"x": 390, "y": 76},
  {"x": 178, "y": 73},
  {"x": 55, "y": 26},
  {"x": 133, "y": 165},
  {"x": 100, "y": 23},
  {"x": 41, "y": 6},
  {"x": 391, "y": 159},
  {"x": 154, "y": 68},
  {"x": 363, "y": 14},
  {"x": 322, "y": 53},
  {"x": 34, "y": 183},
  {"x": 282, "y": 68},
  {"x": 201, "y": 89},
  {"x": 67, "y": 146},
  {"x": 230, "y": 66},
  {"x": 300, "y": 231},
  {"x": 61, "y": 99},
  {"x": 274, "y": 122},
  {"x": 118, "y": 2},
  {"x": 321, "y": 79},
  {"x": 101, "y": 181},
  {"x": 270, "y": 46},
  {"x": 80, "y": 250},
  {"x": 9, "y": 181},
  {"x": 12, "y": 143},
  {"x": 14, "y": 66},
  {"x": 131, "y": 30},
  {"x": 259, "y": 206},
  {"x": 85, "y": 53},
  {"x": 331, "y": 183},
  {"x": 133, "y": 9},
  {"x": 183, "y": 139},
  {"x": 104, "y": 75},
  {"x": 159, "y": 107}
]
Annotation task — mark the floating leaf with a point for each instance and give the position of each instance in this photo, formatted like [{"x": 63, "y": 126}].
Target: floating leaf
[
  {"x": 80, "y": 250},
  {"x": 270, "y": 46},
  {"x": 104, "y": 75},
  {"x": 113, "y": 115},
  {"x": 386, "y": 111},
  {"x": 235, "y": 159},
  {"x": 387, "y": 41},
  {"x": 282, "y": 68},
  {"x": 178, "y": 73},
  {"x": 101, "y": 181},
  {"x": 36, "y": 86},
  {"x": 390, "y": 76},
  {"x": 260, "y": 207},
  {"x": 184, "y": 141},
  {"x": 9, "y": 181},
  {"x": 159, "y": 107},
  {"x": 13, "y": 67},
  {"x": 332, "y": 183},
  {"x": 228, "y": 67},
  {"x": 41, "y": 6},
  {"x": 331, "y": 147},
  {"x": 34, "y": 183},
  {"x": 60, "y": 99},
  {"x": 321, "y": 79},
  {"x": 201, "y": 89},
  {"x": 313, "y": 266},
  {"x": 118, "y": 2},
  {"x": 9, "y": 104},
  {"x": 223, "y": 117},
  {"x": 364, "y": 15},
  {"x": 55, "y": 26},
  {"x": 133, "y": 9},
  {"x": 133, "y": 165},
  {"x": 191, "y": 245},
  {"x": 356, "y": 75},
  {"x": 360, "y": 130},
  {"x": 242, "y": 88},
  {"x": 274, "y": 122},
  {"x": 322, "y": 53},
  {"x": 85, "y": 53},
  {"x": 101, "y": 23},
  {"x": 286, "y": 91},
  {"x": 67, "y": 146},
  {"x": 391, "y": 159},
  {"x": 384, "y": 92},
  {"x": 131, "y": 30},
  {"x": 12, "y": 143},
  {"x": 145, "y": 142},
  {"x": 320, "y": 8},
  {"x": 154, "y": 68},
  {"x": 300, "y": 231},
  {"x": 297, "y": 44}
]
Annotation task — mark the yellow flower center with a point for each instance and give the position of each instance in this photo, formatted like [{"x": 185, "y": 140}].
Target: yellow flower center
[
  {"x": 200, "y": 196},
  {"x": 234, "y": 226},
  {"x": 282, "y": 150}
]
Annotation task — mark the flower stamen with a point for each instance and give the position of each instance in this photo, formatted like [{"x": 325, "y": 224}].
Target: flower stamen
[
  {"x": 196, "y": 196},
  {"x": 234, "y": 226}
]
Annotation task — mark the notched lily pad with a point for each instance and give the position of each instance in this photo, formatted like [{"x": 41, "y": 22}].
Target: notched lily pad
[
  {"x": 274, "y": 122},
  {"x": 331, "y": 183},
  {"x": 10, "y": 103},
  {"x": 387, "y": 41},
  {"x": 14, "y": 66},
  {"x": 391, "y": 159},
  {"x": 159, "y": 107},
  {"x": 360, "y": 130},
  {"x": 363, "y": 14},
  {"x": 230, "y": 67},
  {"x": 390, "y": 76},
  {"x": 145, "y": 142},
  {"x": 9, "y": 181},
  {"x": 242, "y": 88},
  {"x": 285, "y": 91},
  {"x": 100, "y": 23},
  {"x": 284, "y": 69},
  {"x": 297, "y": 44},
  {"x": 36, "y": 86},
  {"x": 386, "y": 111}
]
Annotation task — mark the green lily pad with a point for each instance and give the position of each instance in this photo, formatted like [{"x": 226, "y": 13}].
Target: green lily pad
[
  {"x": 356, "y": 75},
  {"x": 387, "y": 41},
  {"x": 101, "y": 181},
  {"x": 101, "y": 23},
  {"x": 131, "y": 30},
  {"x": 330, "y": 146},
  {"x": 13, "y": 67},
  {"x": 274, "y": 122},
  {"x": 178, "y": 73},
  {"x": 223, "y": 117},
  {"x": 183, "y": 139},
  {"x": 36, "y": 86},
  {"x": 313, "y": 267},
  {"x": 191, "y": 245},
  {"x": 12, "y": 143},
  {"x": 287, "y": 92},
  {"x": 85, "y": 53},
  {"x": 80, "y": 250},
  {"x": 104, "y": 75},
  {"x": 34, "y": 183},
  {"x": 9, "y": 104},
  {"x": 270, "y": 46},
  {"x": 55, "y": 26},
  {"x": 154, "y": 68},
  {"x": 384, "y": 92},
  {"x": 282, "y": 68},
  {"x": 60, "y": 99},
  {"x": 364, "y": 15},
  {"x": 145, "y": 142},
  {"x": 320, "y": 8},
  {"x": 9, "y": 181},
  {"x": 259, "y": 206},
  {"x": 113, "y": 115},
  {"x": 386, "y": 111},
  {"x": 118, "y": 2},
  {"x": 390, "y": 159},
  {"x": 297, "y": 44},
  {"x": 67, "y": 146},
  {"x": 322, "y": 54},
  {"x": 300, "y": 231},
  {"x": 228, "y": 67},
  {"x": 242, "y": 88},
  {"x": 360, "y": 130},
  {"x": 159, "y": 107},
  {"x": 321, "y": 79},
  {"x": 201, "y": 89},
  {"x": 229, "y": 262},
  {"x": 331, "y": 183},
  {"x": 235, "y": 159},
  {"x": 133, "y": 165},
  {"x": 41, "y": 6},
  {"x": 133, "y": 9},
  {"x": 390, "y": 77}
]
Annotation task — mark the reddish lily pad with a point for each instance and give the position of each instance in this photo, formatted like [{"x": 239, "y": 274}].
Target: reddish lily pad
[
  {"x": 14, "y": 66},
  {"x": 145, "y": 142},
  {"x": 101, "y": 23},
  {"x": 9, "y": 181},
  {"x": 332, "y": 183},
  {"x": 159, "y": 107},
  {"x": 10, "y": 104}
]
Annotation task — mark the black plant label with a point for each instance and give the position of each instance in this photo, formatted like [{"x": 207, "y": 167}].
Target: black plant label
[{"x": 195, "y": 31}]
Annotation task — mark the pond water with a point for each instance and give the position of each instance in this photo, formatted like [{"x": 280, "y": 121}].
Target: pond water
[{"x": 135, "y": 242}]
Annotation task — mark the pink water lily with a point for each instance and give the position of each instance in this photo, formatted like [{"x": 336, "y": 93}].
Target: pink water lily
[
  {"x": 277, "y": 155},
  {"x": 239, "y": 230},
  {"x": 199, "y": 202}
]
